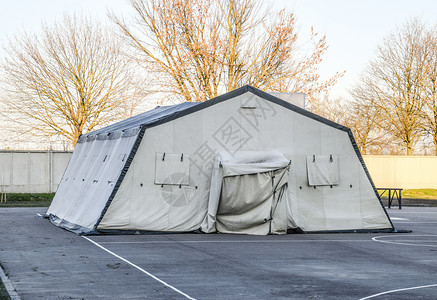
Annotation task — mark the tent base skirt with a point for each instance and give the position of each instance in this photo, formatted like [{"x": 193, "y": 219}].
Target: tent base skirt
[
  {"x": 383, "y": 230},
  {"x": 80, "y": 230}
]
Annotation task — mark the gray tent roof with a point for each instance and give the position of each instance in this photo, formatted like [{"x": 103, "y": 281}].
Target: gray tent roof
[
  {"x": 146, "y": 118},
  {"x": 163, "y": 114}
]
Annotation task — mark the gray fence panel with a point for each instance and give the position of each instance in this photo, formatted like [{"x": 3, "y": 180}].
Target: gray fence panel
[{"x": 32, "y": 171}]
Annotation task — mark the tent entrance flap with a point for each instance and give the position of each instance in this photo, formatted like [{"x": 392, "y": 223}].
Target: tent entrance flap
[
  {"x": 246, "y": 192},
  {"x": 248, "y": 203}
]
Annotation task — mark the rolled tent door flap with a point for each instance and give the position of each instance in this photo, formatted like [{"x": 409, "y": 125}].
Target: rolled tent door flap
[{"x": 246, "y": 191}]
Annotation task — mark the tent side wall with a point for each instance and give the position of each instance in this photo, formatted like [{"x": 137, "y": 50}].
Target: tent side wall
[
  {"x": 89, "y": 180},
  {"x": 142, "y": 204},
  {"x": 155, "y": 194}
]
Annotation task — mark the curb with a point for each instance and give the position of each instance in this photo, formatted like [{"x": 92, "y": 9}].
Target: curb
[
  {"x": 412, "y": 202},
  {"x": 8, "y": 285}
]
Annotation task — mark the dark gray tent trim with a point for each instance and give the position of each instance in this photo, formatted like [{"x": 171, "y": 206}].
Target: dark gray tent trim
[
  {"x": 122, "y": 175},
  {"x": 360, "y": 157}
]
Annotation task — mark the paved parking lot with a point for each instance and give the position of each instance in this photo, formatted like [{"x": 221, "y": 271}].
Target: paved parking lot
[{"x": 43, "y": 261}]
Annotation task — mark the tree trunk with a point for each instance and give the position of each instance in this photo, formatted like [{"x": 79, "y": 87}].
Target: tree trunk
[
  {"x": 435, "y": 143},
  {"x": 409, "y": 147}
]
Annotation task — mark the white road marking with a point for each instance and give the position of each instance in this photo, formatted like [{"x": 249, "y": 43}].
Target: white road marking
[
  {"x": 140, "y": 269},
  {"x": 415, "y": 212},
  {"x": 8, "y": 285},
  {"x": 405, "y": 242},
  {"x": 232, "y": 241},
  {"x": 398, "y": 219},
  {"x": 411, "y": 242},
  {"x": 399, "y": 290},
  {"x": 416, "y": 222}
]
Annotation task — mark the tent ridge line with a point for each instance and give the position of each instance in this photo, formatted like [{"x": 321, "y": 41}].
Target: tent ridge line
[
  {"x": 242, "y": 90},
  {"x": 296, "y": 109},
  {"x": 122, "y": 174},
  {"x": 237, "y": 92},
  {"x": 200, "y": 106}
]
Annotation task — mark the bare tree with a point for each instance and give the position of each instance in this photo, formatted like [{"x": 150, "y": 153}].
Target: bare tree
[
  {"x": 363, "y": 120},
  {"x": 69, "y": 80},
  {"x": 360, "y": 117},
  {"x": 336, "y": 110},
  {"x": 430, "y": 84},
  {"x": 201, "y": 48},
  {"x": 393, "y": 84}
]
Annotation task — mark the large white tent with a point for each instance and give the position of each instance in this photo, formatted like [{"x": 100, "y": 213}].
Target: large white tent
[{"x": 244, "y": 162}]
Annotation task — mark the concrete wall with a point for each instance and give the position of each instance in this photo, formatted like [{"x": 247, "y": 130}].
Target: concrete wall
[
  {"x": 408, "y": 172},
  {"x": 31, "y": 171},
  {"x": 41, "y": 171}
]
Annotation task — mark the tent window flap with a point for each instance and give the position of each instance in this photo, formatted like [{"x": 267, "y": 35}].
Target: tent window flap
[
  {"x": 172, "y": 168},
  {"x": 322, "y": 170}
]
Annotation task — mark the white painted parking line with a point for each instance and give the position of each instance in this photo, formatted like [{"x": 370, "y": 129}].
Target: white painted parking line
[
  {"x": 399, "y": 290},
  {"x": 140, "y": 269},
  {"x": 8, "y": 285},
  {"x": 398, "y": 219},
  {"x": 407, "y": 242},
  {"x": 402, "y": 222},
  {"x": 233, "y": 241},
  {"x": 415, "y": 212},
  {"x": 411, "y": 241}
]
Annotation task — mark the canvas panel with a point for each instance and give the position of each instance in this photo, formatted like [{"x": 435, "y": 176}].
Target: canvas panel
[
  {"x": 118, "y": 215},
  {"x": 373, "y": 215},
  {"x": 308, "y": 202},
  {"x": 311, "y": 209},
  {"x": 344, "y": 212},
  {"x": 78, "y": 161},
  {"x": 89, "y": 180}
]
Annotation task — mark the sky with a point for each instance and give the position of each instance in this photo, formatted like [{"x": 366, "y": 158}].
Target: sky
[{"x": 353, "y": 28}]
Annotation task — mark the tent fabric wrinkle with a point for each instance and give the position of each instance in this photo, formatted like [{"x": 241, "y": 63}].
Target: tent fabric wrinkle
[
  {"x": 245, "y": 191},
  {"x": 251, "y": 162},
  {"x": 248, "y": 203}
]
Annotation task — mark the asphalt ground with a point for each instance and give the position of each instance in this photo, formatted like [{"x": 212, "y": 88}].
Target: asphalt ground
[{"x": 43, "y": 261}]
